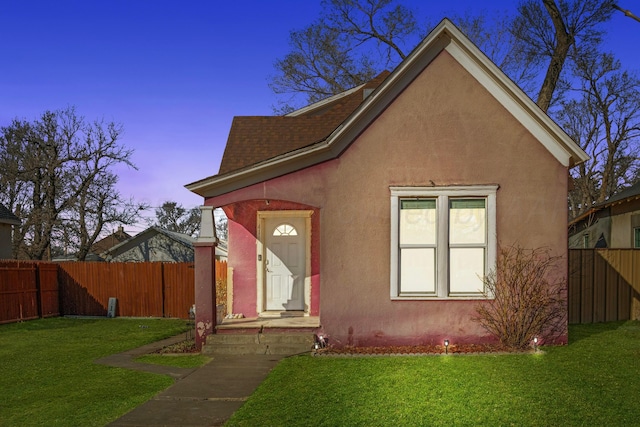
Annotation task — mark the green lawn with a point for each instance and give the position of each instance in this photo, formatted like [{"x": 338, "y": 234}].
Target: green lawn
[
  {"x": 593, "y": 381},
  {"x": 48, "y": 378}
]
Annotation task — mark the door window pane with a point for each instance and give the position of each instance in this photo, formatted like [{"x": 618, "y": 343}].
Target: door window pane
[{"x": 285, "y": 230}]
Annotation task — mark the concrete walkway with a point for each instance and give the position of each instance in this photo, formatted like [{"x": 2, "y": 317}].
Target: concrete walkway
[{"x": 205, "y": 396}]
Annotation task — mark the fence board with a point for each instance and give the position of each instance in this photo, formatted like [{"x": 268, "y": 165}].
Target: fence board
[
  {"x": 611, "y": 287},
  {"x": 18, "y": 291},
  {"x": 609, "y": 282},
  {"x": 89, "y": 285},
  {"x": 48, "y": 290},
  {"x": 179, "y": 289},
  {"x": 625, "y": 288},
  {"x": 574, "y": 295},
  {"x": 587, "y": 311}
]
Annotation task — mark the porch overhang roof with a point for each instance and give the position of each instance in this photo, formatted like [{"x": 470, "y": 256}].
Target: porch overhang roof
[{"x": 446, "y": 36}]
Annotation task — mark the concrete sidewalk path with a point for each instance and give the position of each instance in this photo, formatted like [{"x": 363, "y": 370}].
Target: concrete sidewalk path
[{"x": 205, "y": 396}]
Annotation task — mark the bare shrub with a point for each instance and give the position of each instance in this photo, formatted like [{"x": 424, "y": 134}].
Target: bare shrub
[{"x": 525, "y": 298}]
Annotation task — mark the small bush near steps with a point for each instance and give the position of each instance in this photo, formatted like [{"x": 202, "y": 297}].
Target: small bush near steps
[{"x": 183, "y": 347}]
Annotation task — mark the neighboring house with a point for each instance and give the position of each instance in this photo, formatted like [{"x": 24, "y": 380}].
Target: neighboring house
[
  {"x": 7, "y": 221},
  {"x": 614, "y": 223},
  {"x": 99, "y": 247},
  {"x": 379, "y": 210},
  {"x": 156, "y": 245}
]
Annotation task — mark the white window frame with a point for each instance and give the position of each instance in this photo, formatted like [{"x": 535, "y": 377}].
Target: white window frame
[{"x": 442, "y": 196}]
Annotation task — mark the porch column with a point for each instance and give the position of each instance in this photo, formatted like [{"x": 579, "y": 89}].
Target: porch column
[{"x": 205, "y": 276}]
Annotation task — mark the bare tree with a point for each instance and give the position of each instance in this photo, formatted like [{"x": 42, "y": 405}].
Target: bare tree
[
  {"x": 57, "y": 177},
  {"x": 543, "y": 48},
  {"x": 172, "y": 216},
  {"x": 627, "y": 13},
  {"x": 350, "y": 43},
  {"x": 556, "y": 31},
  {"x": 605, "y": 120}
]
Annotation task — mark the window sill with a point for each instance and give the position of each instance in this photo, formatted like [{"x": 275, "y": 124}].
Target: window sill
[{"x": 433, "y": 298}]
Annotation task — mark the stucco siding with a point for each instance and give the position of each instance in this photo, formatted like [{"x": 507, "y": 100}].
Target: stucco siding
[{"x": 444, "y": 129}]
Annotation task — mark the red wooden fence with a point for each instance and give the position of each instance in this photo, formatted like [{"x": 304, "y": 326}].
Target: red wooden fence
[{"x": 29, "y": 290}]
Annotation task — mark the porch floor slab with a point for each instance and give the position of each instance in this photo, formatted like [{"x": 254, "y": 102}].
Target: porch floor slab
[{"x": 271, "y": 322}]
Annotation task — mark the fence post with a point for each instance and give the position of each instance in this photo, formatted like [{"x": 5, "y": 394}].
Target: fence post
[
  {"x": 164, "y": 295},
  {"x": 38, "y": 292}
]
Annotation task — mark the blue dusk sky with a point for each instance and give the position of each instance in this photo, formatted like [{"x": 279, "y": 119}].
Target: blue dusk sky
[{"x": 173, "y": 73}]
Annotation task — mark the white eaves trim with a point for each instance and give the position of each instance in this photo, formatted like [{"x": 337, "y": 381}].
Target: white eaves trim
[
  {"x": 318, "y": 105},
  {"x": 527, "y": 112}
]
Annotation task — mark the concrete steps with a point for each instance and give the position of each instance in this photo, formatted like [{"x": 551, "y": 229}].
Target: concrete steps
[{"x": 281, "y": 343}]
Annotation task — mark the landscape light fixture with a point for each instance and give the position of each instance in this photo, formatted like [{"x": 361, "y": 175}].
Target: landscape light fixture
[
  {"x": 321, "y": 342},
  {"x": 535, "y": 343},
  {"x": 446, "y": 346}
]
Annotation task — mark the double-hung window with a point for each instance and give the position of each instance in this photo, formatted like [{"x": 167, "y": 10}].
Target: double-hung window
[{"x": 443, "y": 241}]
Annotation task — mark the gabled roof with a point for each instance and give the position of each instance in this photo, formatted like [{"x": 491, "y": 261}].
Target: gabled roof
[
  {"x": 180, "y": 238},
  {"x": 7, "y": 217},
  {"x": 445, "y": 36},
  {"x": 628, "y": 194},
  {"x": 145, "y": 235}
]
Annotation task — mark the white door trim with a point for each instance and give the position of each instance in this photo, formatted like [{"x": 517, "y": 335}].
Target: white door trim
[{"x": 261, "y": 303}]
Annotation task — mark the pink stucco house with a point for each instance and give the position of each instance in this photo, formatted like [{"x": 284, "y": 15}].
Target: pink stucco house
[{"x": 374, "y": 214}]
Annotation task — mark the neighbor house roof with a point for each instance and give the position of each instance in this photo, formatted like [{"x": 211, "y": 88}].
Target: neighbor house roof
[
  {"x": 146, "y": 235},
  {"x": 627, "y": 195},
  {"x": 297, "y": 146},
  {"x": 183, "y": 239},
  {"x": 7, "y": 217},
  {"x": 110, "y": 241}
]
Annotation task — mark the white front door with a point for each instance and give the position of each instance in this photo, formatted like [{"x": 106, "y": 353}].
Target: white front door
[{"x": 285, "y": 263}]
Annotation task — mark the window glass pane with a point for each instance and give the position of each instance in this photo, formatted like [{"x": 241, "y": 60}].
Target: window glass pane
[
  {"x": 636, "y": 232},
  {"x": 466, "y": 270},
  {"x": 467, "y": 221},
  {"x": 417, "y": 270},
  {"x": 418, "y": 222},
  {"x": 285, "y": 230}
]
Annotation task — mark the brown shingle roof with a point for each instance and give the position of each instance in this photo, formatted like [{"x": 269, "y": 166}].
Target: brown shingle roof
[
  {"x": 253, "y": 139},
  {"x": 110, "y": 241}
]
